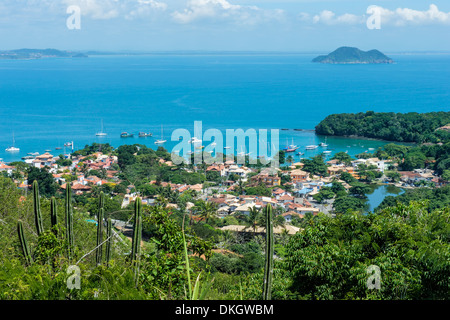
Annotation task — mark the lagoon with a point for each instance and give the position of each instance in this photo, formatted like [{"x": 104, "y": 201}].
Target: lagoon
[{"x": 379, "y": 192}]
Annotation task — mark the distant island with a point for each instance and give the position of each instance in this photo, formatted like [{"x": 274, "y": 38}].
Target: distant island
[
  {"x": 349, "y": 55},
  {"x": 39, "y": 53}
]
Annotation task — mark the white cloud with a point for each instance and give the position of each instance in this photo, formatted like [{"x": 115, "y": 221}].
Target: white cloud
[
  {"x": 144, "y": 8},
  {"x": 222, "y": 10},
  {"x": 109, "y": 9},
  {"x": 397, "y": 17},
  {"x": 406, "y": 16},
  {"x": 329, "y": 18}
]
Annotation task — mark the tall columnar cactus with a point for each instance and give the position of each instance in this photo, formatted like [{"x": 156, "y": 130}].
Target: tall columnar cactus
[
  {"x": 37, "y": 209},
  {"x": 69, "y": 219},
  {"x": 24, "y": 243},
  {"x": 109, "y": 242},
  {"x": 268, "y": 267},
  {"x": 137, "y": 236},
  {"x": 53, "y": 214},
  {"x": 101, "y": 200},
  {"x": 98, "y": 254}
]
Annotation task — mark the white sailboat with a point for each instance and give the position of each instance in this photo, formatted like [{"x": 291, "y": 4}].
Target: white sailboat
[
  {"x": 101, "y": 133},
  {"x": 161, "y": 141},
  {"x": 12, "y": 148},
  {"x": 194, "y": 140}
]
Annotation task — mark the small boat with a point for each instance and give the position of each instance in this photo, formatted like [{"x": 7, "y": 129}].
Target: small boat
[
  {"x": 200, "y": 147},
  {"x": 27, "y": 157},
  {"x": 291, "y": 147},
  {"x": 12, "y": 148},
  {"x": 144, "y": 134},
  {"x": 327, "y": 151},
  {"x": 371, "y": 149},
  {"x": 48, "y": 150},
  {"x": 101, "y": 133},
  {"x": 227, "y": 147},
  {"x": 33, "y": 153},
  {"x": 311, "y": 147},
  {"x": 324, "y": 144},
  {"x": 58, "y": 148},
  {"x": 161, "y": 141},
  {"x": 194, "y": 140},
  {"x": 300, "y": 153},
  {"x": 68, "y": 144},
  {"x": 126, "y": 135}
]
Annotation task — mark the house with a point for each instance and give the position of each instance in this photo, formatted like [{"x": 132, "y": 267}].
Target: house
[
  {"x": 268, "y": 176},
  {"x": 410, "y": 176},
  {"x": 220, "y": 168},
  {"x": 277, "y": 192},
  {"x": 239, "y": 171},
  {"x": 290, "y": 214},
  {"x": 298, "y": 175},
  {"x": 6, "y": 168},
  {"x": 245, "y": 208}
]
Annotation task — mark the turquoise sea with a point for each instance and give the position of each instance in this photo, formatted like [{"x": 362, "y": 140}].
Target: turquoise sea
[{"x": 45, "y": 103}]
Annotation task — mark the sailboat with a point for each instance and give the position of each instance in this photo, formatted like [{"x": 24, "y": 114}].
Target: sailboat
[
  {"x": 161, "y": 141},
  {"x": 292, "y": 147},
  {"x": 324, "y": 144},
  {"x": 12, "y": 148},
  {"x": 101, "y": 133}
]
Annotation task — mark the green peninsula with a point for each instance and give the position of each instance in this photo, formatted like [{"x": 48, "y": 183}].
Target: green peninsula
[
  {"x": 349, "y": 55},
  {"x": 401, "y": 127}
]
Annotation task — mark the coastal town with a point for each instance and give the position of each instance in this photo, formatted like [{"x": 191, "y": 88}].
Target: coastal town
[{"x": 293, "y": 190}]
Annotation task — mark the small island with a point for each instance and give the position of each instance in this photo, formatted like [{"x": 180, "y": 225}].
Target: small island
[
  {"x": 27, "y": 54},
  {"x": 350, "y": 55}
]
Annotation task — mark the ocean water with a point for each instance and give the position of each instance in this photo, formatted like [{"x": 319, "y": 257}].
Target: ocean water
[{"x": 45, "y": 103}]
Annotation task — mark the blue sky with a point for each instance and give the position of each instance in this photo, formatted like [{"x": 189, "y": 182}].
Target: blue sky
[{"x": 231, "y": 25}]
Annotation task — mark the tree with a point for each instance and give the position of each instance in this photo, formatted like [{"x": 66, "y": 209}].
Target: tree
[
  {"x": 316, "y": 166},
  {"x": 359, "y": 190},
  {"x": 253, "y": 218},
  {"x": 343, "y": 157},
  {"x": 446, "y": 175},
  {"x": 394, "y": 176},
  {"x": 206, "y": 209},
  {"x": 330, "y": 258},
  {"x": 47, "y": 185},
  {"x": 346, "y": 203}
]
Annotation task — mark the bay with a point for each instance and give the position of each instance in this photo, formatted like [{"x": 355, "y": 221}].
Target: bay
[{"x": 45, "y": 103}]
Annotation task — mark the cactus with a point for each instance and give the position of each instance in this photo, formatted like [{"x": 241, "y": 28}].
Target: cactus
[
  {"x": 37, "y": 209},
  {"x": 109, "y": 242},
  {"x": 53, "y": 215},
  {"x": 101, "y": 200},
  {"x": 69, "y": 219},
  {"x": 268, "y": 267},
  {"x": 98, "y": 254},
  {"x": 137, "y": 236},
  {"x": 24, "y": 243}
]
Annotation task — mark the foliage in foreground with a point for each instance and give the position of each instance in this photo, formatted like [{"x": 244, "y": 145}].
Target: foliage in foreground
[{"x": 409, "y": 244}]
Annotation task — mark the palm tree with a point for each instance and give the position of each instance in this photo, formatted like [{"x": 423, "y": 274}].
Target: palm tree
[
  {"x": 207, "y": 210},
  {"x": 290, "y": 159},
  {"x": 253, "y": 219}
]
